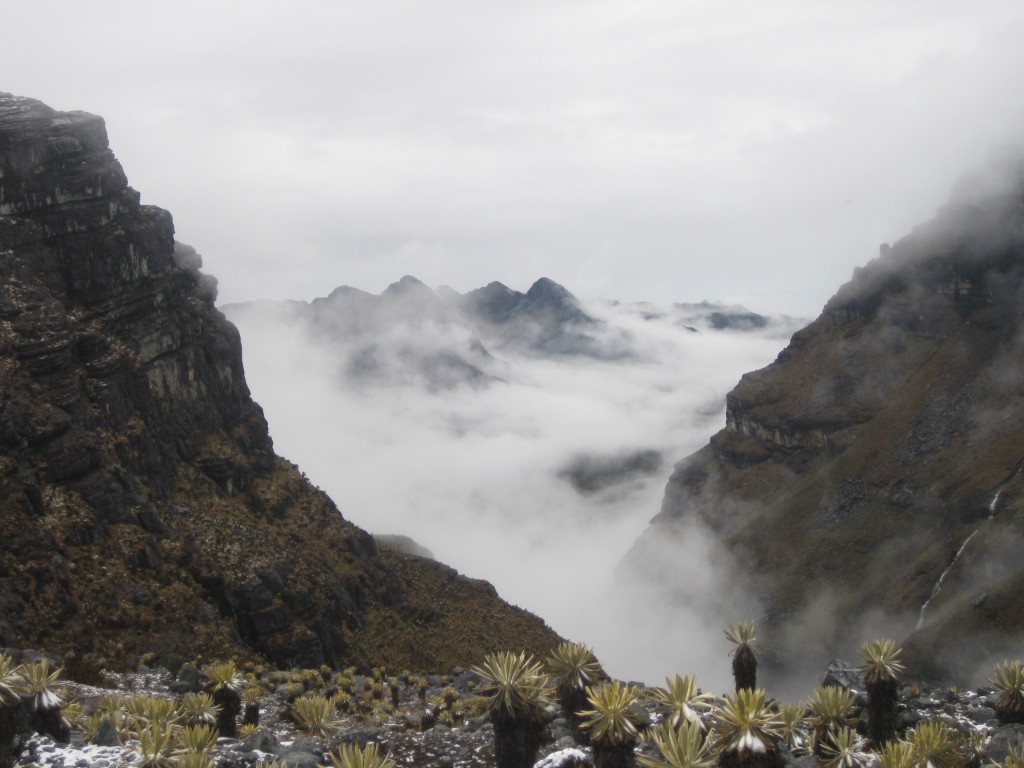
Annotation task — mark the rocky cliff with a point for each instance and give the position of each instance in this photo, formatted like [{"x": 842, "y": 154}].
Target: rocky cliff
[
  {"x": 868, "y": 483},
  {"x": 142, "y": 507}
]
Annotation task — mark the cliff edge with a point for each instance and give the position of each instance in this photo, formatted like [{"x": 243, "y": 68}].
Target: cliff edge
[
  {"x": 142, "y": 507},
  {"x": 868, "y": 482}
]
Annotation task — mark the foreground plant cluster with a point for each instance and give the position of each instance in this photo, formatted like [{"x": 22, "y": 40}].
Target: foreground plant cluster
[{"x": 514, "y": 700}]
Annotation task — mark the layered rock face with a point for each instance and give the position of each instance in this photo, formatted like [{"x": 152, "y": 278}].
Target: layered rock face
[
  {"x": 142, "y": 508},
  {"x": 868, "y": 482}
]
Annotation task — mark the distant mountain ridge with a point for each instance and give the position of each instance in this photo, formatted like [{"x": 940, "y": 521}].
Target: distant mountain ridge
[
  {"x": 439, "y": 338},
  {"x": 868, "y": 482}
]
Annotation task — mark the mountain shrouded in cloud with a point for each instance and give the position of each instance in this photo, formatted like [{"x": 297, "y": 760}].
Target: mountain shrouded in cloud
[
  {"x": 522, "y": 436},
  {"x": 143, "y": 509},
  {"x": 868, "y": 482}
]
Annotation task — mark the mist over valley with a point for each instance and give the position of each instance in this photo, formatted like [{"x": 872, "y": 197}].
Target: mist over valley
[{"x": 521, "y": 437}]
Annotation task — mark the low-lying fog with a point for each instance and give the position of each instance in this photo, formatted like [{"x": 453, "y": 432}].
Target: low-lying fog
[{"x": 537, "y": 480}]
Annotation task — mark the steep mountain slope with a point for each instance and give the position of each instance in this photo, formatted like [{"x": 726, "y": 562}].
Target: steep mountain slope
[
  {"x": 868, "y": 481},
  {"x": 142, "y": 507}
]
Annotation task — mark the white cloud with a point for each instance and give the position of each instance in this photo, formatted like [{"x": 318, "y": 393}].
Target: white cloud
[{"x": 473, "y": 474}]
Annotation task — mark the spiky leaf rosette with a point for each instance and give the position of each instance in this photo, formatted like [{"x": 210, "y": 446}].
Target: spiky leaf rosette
[
  {"x": 574, "y": 666},
  {"x": 684, "y": 699},
  {"x": 145, "y": 709},
  {"x": 38, "y": 682},
  {"x": 897, "y": 754},
  {"x": 225, "y": 675},
  {"x": 1014, "y": 758},
  {"x": 611, "y": 719},
  {"x": 354, "y": 756},
  {"x": 831, "y": 707},
  {"x": 11, "y": 681},
  {"x": 935, "y": 745},
  {"x": 196, "y": 708},
  {"x": 845, "y": 749},
  {"x": 1009, "y": 683},
  {"x": 316, "y": 715},
  {"x": 746, "y": 723},
  {"x": 881, "y": 661},
  {"x": 744, "y": 655},
  {"x": 794, "y": 735},
  {"x": 515, "y": 684},
  {"x": 196, "y": 739},
  {"x": 680, "y": 747},
  {"x": 973, "y": 748},
  {"x": 156, "y": 746}
]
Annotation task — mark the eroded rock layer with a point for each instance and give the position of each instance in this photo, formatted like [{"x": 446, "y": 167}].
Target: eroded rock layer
[
  {"x": 142, "y": 507},
  {"x": 867, "y": 483}
]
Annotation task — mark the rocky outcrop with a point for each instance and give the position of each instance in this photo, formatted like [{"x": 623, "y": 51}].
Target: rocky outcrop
[
  {"x": 142, "y": 507},
  {"x": 868, "y": 481}
]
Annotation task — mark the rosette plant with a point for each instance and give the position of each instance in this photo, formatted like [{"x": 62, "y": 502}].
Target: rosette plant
[
  {"x": 845, "y": 750},
  {"x": 792, "y": 730},
  {"x": 881, "y": 667},
  {"x": 746, "y": 732},
  {"x": 315, "y": 715},
  {"x": 11, "y": 716},
  {"x": 831, "y": 709},
  {"x": 225, "y": 685},
  {"x": 612, "y": 723},
  {"x": 744, "y": 656},
  {"x": 935, "y": 745},
  {"x": 684, "y": 700},
  {"x": 681, "y": 746},
  {"x": 572, "y": 667},
  {"x": 1009, "y": 684},
  {"x": 39, "y": 684},
  {"x": 354, "y": 756},
  {"x": 518, "y": 695}
]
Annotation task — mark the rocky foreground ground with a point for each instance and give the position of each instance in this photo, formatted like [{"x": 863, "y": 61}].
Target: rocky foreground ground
[{"x": 439, "y": 721}]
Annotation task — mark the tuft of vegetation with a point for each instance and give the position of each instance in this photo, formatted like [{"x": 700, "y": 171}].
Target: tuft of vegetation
[
  {"x": 226, "y": 685},
  {"x": 612, "y": 723},
  {"x": 1009, "y": 684},
  {"x": 573, "y": 667},
  {"x": 743, "y": 636},
  {"x": 196, "y": 739},
  {"x": 746, "y": 727},
  {"x": 681, "y": 746},
  {"x": 935, "y": 745},
  {"x": 515, "y": 684},
  {"x": 881, "y": 667},
  {"x": 197, "y": 709},
  {"x": 845, "y": 749},
  {"x": 897, "y": 754},
  {"x": 684, "y": 700},
  {"x": 11, "y": 682},
  {"x": 518, "y": 693},
  {"x": 831, "y": 709},
  {"x": 146, "y": 709},
  {"x": 39, "y": 684},
  {"x": 156, "y": 744},
  {"x": 354, "y": 756},
  {"x": 792, "y": 730},
  {"x": 315, "y": 715}
]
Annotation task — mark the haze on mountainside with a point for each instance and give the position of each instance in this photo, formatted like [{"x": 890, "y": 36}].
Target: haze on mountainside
[
  {"x": 869, "y": 482},
  {"x": 523, "y": 437},
  {"x": 653, "y": 150}
]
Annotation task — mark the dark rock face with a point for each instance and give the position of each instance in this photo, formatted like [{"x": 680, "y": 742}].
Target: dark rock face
[
  {"x": 882, "y": 451},
  {"x": 142, "y": 507},
  {"x": 546, "y": 320}
]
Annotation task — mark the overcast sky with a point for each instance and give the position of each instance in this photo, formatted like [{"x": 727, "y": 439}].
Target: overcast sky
[{"x": 735, "y": 150}]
